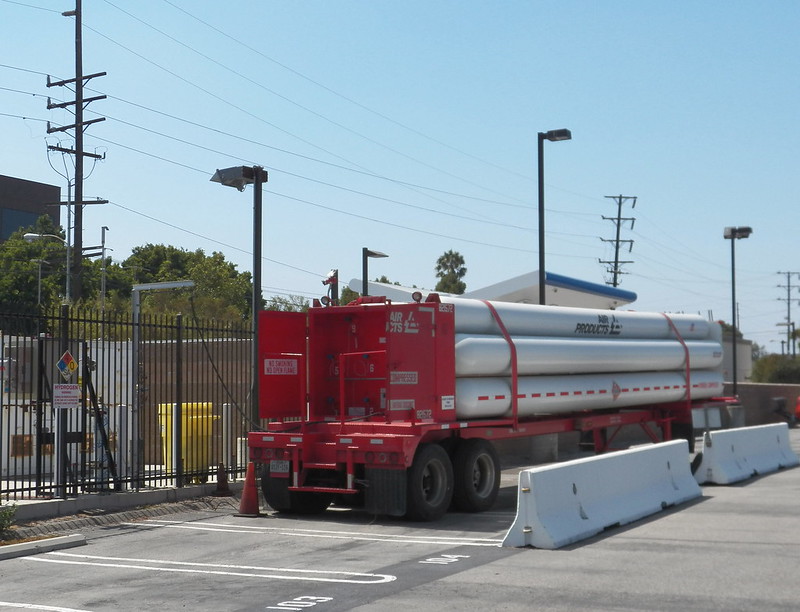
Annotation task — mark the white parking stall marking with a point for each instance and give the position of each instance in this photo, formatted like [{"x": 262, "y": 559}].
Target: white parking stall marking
[
  {"x": 318, "y": 533},
  {"x": 247, "y": 571},
  {"x": 30, "y": 606}
]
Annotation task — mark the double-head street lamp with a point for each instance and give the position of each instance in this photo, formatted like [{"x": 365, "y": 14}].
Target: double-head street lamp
[
  {"x": 239, "y": 177},
  {"x": 30, "y": 237},
  {"x": 365, "y": 255},
  {"x": 733, "y": 234},
  {"x": 552, "y": 136}
]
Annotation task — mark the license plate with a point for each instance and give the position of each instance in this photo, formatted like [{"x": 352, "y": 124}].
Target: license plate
[{"x": 278, "y": 466}]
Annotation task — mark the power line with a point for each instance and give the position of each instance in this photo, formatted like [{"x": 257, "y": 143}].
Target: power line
[
  {"x": 301, "y": 106},
  {"x": 348, "y": 99}
]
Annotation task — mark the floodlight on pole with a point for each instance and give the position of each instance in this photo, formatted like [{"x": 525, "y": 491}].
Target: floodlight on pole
[
  {"x": 239, "y": 177},
  {"x": 365, "y": 255},
  {"x": 733, "y": 234},
  {"x": 552, "y": 136}
]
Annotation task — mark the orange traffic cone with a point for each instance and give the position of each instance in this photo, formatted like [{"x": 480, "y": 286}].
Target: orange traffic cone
[{"x": 248, "y": 506}]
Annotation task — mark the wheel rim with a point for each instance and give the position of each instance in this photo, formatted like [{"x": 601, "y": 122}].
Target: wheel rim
[
  {"x": 483, "y": 475},
  {"x": 433, "y": 479}
]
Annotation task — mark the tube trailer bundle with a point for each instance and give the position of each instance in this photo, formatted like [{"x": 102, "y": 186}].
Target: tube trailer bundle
[{"x": 396, "y": 405}]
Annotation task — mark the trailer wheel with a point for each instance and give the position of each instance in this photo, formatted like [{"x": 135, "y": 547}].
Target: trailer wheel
[
  {"x": 685, "y": 431},
  {"x": 429, "y": 484},
  {"x": 476, "y": 470}
]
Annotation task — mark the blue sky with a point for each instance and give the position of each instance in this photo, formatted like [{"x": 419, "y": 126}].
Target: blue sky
[{"x": 410, "y": 128}]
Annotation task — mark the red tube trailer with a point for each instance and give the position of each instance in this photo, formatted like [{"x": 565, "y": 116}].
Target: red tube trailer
[{"x": 361, "y": 407}]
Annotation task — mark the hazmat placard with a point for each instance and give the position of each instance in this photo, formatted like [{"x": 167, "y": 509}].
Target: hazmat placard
[{"x": 67, "y": 365}]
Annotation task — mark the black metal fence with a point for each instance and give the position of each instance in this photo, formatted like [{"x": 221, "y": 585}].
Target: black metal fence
[{"x": 92, "y": 403}]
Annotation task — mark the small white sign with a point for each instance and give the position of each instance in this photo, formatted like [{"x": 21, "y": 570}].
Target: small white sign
[
  {"x": 280, "y": 367},
  {"x": 66, "y": 397}
]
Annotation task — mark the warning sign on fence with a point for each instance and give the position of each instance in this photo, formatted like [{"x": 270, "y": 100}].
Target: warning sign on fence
[{"x": 66, "y": 397}]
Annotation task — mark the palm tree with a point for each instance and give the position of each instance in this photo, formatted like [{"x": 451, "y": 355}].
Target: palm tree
[{"x": 450, "y": 270}]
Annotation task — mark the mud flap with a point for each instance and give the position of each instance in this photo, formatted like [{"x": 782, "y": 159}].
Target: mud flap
[{"x": 385, "y": 492}]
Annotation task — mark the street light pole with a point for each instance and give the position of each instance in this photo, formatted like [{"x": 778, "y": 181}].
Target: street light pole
[
  {"x": 31, "y": 236},
  {"x": 552, "y": 136},
  {"x": 239, "y": 177},
  {"x": 733, "y": 234},
  {"x": 39, "y": 282},
  {"x": 365, "y": 255}
]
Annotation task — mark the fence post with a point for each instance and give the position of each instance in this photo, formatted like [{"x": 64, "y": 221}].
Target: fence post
[
  {"x": 177, "y": 411},
  {"x": 228, "y": 432},
  {"x": 136, "y": 454},
  {"x": 61, "y": 456}
]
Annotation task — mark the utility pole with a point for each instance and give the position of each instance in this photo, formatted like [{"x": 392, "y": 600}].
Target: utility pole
[
  {"x": 79, "y": 103},
  {"x": 618, "y": 221},
  {"x": 790, "y": 342}
]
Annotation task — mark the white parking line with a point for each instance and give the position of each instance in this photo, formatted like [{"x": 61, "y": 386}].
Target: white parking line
[
  {"x": 30, "y": 606},
  {"x": 160, "y": 565},
  {"x": 317, "y": 533}
]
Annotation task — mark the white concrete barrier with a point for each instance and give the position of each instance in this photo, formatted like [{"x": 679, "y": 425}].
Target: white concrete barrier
[
  {"x": 732, "y": 455},
  {"x": 567, "y": 502}
]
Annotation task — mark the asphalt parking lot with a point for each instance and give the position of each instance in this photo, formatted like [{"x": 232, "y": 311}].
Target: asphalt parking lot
[{"x": 735, "y": 548}]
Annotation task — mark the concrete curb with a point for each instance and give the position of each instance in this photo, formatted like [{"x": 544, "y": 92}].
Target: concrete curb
[
  {"x": 38, "y": 510},
  {"x": 25, "y": 549}
]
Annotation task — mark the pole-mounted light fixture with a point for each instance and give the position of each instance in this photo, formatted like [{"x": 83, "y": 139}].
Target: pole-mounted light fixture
[
  {"x": 239, "y": 177},
  {"x": 552, "y": 136},
  {"x": 32, "y": 236},
  {"x": 365, "y": 255},
  {"x": 733, "y": 234}
]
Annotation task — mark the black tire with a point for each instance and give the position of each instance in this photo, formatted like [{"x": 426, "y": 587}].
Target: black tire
[
  {"x": 476, "y": 471},
  {"x": 429, "y": 484},
  {"x": 685, "y": 431}
]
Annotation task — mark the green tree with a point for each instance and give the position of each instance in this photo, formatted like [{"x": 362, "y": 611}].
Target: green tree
[
  {"x": 347, "y": 295},
  {"x": 20, "y": 261},
  {"x": 291, "y": 303},
  {"x": 450, "y": 270},
  {"x": 220, "y": 291},
  {"x": 776, "y": 369}
]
